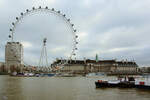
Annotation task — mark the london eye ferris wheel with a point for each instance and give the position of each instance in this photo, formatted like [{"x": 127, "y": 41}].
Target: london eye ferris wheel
[{"x": 58, "y": 14}]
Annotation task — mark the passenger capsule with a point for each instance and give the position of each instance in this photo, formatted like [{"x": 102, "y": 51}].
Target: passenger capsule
[
  {"x": 9, "y": 36},
  {"x": 52, "y": 9},
  {"x": 46, "y": 7},
  {"x": 27, "y": 10},
  {"x": 16, "y": 18},
  {"x": 68, "y": 20},
  {"x": 22, "y": 14},
  {"x": 39, "y": 7},
  {"x": 13, "y": 23},
  {"x": 33, "y": 8}
]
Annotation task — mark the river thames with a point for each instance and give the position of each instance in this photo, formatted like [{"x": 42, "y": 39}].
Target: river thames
[{"x": 63, "y": 88}]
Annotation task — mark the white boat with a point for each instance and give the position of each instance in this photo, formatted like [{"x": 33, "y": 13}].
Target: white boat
[
  {"x": 144, "y": 80},
  {"x": 14, "y": 73},
  {"x": 28, "y": 74}
]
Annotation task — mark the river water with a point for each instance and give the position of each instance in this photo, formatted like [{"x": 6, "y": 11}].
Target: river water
[{"x": 63, "y": 88}]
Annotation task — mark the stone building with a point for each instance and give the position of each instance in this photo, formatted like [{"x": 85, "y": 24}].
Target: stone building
[
  {"x": 13, "y": 56},
  {"x": 107, "y": 66}
]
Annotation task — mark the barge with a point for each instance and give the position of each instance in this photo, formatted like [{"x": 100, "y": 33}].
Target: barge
[{"x": 130, "y": 82}]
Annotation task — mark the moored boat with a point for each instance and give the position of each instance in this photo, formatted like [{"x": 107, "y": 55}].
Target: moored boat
[
  {"x": 144, "y": 82},
  {"x": 129, "y": 82}
]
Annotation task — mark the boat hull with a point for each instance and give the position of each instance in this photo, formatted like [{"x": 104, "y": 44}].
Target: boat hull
[{"x": 120, "y": 85}]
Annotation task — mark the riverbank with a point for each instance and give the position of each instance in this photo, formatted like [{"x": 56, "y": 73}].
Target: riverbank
[{"x": 3, "y": 73}]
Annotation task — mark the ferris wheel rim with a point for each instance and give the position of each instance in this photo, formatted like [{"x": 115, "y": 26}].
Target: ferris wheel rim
[{"x": 46, "y": 9}]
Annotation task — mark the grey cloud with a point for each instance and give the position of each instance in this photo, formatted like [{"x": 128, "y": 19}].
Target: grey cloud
[{"x": 108, "y": 25}]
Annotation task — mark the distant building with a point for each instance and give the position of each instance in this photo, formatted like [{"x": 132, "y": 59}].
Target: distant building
[
  {"x": 144, "y": 69},
  {"x": 108, "y": 66},
  {"x": 13, "y": 56},
  {"x": 2, "y": 67}
]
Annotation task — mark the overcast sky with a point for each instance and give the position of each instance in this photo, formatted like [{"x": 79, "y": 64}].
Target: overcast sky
[{"x": 113, "y": 29}]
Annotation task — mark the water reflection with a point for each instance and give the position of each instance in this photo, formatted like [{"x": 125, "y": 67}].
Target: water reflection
[{"x": 10, "y": 86}]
